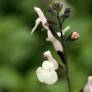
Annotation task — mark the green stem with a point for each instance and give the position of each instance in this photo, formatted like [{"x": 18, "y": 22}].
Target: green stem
[
  {"x": 65, "y": 58},
  {"x": 60, "y": 26}
]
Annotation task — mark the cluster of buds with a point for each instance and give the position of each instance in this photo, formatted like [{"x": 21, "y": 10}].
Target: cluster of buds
[
  {"x": 55, "y": 7},
  {"x": 47, "y": 73},
  {"x": 60, "y": 7}
]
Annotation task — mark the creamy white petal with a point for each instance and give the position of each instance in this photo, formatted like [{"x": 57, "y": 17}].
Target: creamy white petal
[
  {"x": 42, "y": 17},
  {"x": 36, "y": 25},
  {"x": 45, "y": 76},
  {"x": 90, "y": 79},
  {"x": 48, "y": 55},
  {"x": 51, "y": 60},
  {"x": 48, "y": 66},
  {"x": 55, "y": 64},
  {"x": 59, "y": 34},
  {"x": 50, "y": 77},
  {"x": 57, "y": 45},
  {"x": 46, "y": 27},
  {"x": 40, "y": 14},
  {"x": 40, "y": 74}
]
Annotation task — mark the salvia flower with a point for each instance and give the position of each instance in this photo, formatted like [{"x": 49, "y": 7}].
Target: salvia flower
[
  {"x": 41, "y": 19},
  {"x": 56, "y": 43},
  {"x": 46, "y": 73}
]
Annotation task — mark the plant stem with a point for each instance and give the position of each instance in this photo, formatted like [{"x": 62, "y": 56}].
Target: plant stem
[
  {"x": 65, "y": 58},
  {"x": 60, "y": 26},
  {"x": 68, "y": 78}
]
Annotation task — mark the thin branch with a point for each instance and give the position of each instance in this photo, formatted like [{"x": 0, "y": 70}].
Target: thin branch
[{"x": 65, "y": 58}]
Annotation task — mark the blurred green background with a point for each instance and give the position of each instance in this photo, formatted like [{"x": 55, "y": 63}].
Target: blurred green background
[{"x": 21, "y": 54}]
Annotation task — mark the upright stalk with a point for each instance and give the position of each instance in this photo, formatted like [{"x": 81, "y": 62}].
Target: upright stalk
[{"x": 65, "y": 58}]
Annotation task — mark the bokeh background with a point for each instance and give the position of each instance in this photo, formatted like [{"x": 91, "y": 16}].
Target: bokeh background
[{"x": 21, "y": 53}]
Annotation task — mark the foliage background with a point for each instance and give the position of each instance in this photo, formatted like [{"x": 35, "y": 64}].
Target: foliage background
[{"x": 21, "y": 53}]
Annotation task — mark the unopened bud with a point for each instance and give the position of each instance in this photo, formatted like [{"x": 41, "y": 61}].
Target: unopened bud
[
  {"x": 50, "y": 9},
  {"x": 67, "y": 12},
  {"x": 74, "y": 36},
  {"x": 57, "y": 6}
]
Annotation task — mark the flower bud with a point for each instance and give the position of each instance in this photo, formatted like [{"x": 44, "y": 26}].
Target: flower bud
[
  {"x": 74, "y": 36},
  {"x": 50, "y": 9},
  {"x": 57, "y": 6},
  {"x": 67, "y": 12}
]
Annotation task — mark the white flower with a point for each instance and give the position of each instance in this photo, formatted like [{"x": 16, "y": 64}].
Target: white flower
[
  {"x": 46, "y": 73},
  {"x": 48, "y": 77},
  {"x": 40, "y": 15},
  {"x": 41, "y": 19},
  {"x": 88, "y": 86},
  {"x": 56, "y": 43}
]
